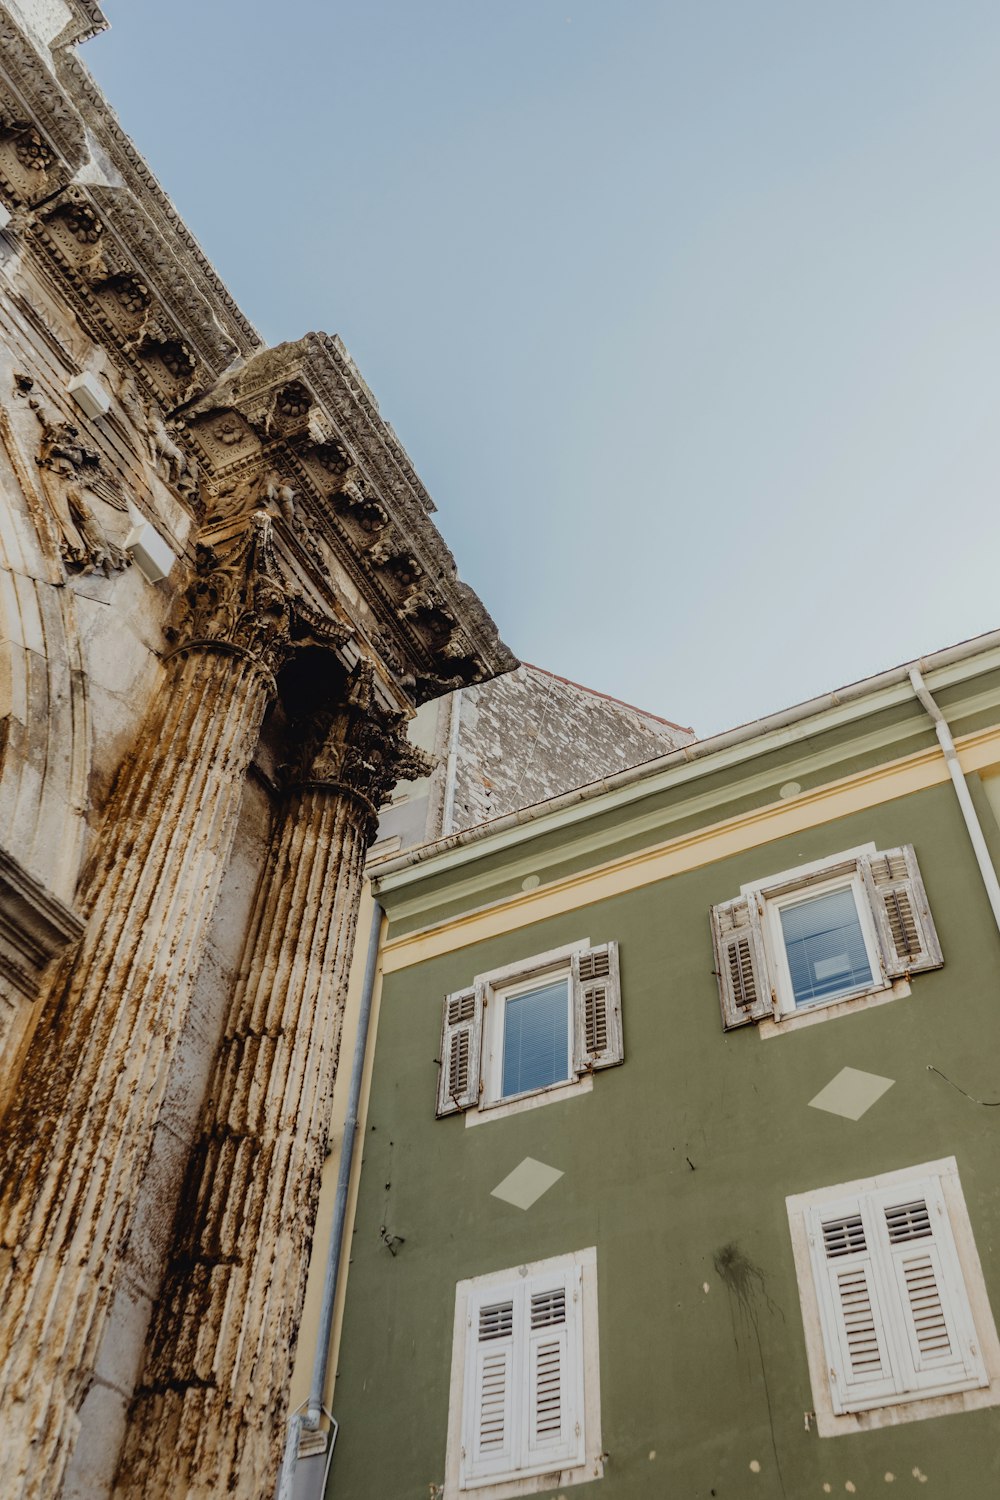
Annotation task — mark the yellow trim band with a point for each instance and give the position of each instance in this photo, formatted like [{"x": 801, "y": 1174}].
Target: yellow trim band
[{"x": 838, "y": 799}]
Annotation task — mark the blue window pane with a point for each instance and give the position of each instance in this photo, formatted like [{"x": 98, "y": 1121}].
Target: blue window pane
[
  {"x": 536, "y": 1039},
  {"x": 825, "y": 947}
]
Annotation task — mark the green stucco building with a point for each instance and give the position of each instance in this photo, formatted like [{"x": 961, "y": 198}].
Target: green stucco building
[{"x": 679, "y": 1166}]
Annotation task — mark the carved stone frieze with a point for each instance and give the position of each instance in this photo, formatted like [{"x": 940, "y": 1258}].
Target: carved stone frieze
[
  {"x": 87, "y": 505},
  {"x": 30, "y": 93}
]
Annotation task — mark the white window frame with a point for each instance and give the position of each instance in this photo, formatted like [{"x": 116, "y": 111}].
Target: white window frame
[
  {"x": 890, "y": 1410},
  {"x": 579, "y": 1266},
  {"x": 787, "y": 888},
  {"x": 494, "y": 1025},
  {"x": 501, "y": 985},
  {"x": 774, "y": 939}
]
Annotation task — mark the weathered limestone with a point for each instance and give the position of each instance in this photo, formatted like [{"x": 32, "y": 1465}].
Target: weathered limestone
[
  {"x": 79, "y": 1130},
  {"x": 209, "y": 1415},
  {"x": 288, "y": 528}
]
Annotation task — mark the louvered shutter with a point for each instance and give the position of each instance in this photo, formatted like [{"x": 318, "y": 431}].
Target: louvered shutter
[
  {"x": 744, "y": 984},
  {"x": 899, "y": 904},
  {"x": 491, "y": 1418},
  {"x": 851, "y": 1304},
  {"x": 461, "y": 1043},
  {"x": 939, "y": 1345},
  {"x": 553, "y": 1387},
  {"x": 597, "y": 1009}
]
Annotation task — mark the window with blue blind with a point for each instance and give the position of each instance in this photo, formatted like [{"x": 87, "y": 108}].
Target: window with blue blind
[
  {"x": 825, "y": 946},
  {"x": 536, "y": 1039}
]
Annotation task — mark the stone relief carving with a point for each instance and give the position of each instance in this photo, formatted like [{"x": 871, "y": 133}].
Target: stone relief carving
[
  {"x": 169, "y": 460},
  {"x": 267, "y": 490},
  {"x": 359, "y": 747},
  {"x": 237, "y": 599},
  {"x": 90, "y": 512}
]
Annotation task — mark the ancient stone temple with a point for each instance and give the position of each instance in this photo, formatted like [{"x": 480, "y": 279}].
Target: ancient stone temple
[{"x": 222, "y": 598}]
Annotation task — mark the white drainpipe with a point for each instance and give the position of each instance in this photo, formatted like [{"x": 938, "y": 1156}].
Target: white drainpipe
[{"x": 961, "y": 786}]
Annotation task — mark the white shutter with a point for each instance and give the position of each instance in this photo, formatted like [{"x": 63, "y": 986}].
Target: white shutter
[
  {"x": 490, "y": 1416},
  {"x": 744, "y": 985},
  {"x": 906, "y": 931},
  {"x": 936, "y": 1331},
  {"x": 553, "y": 1387},
  {"x": 851, "y": 1308},
  {"x": 597, "y": 1009},
  {"x": 461, "y": 1043}
]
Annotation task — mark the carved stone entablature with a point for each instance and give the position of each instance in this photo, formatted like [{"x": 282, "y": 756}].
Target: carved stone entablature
[
  {"x": 114, "y": 241},
  {"x": 356, "y": 501},
  {"x": 357, "y": 747},
  {"x": 34, "y": 928}
]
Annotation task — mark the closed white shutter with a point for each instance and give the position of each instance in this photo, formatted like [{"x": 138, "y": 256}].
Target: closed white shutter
[
  {"x": 851, "y": 1304},
  {"x": 893, "y": 1306},
  {"x": 523, "y": 1401},
  {"x": 461, "y": 1043},
  {"x": 491, "y": 1418},
  {"x": 597, "y": 1009},
  {"x": 905, "y": 927},
  {"x": 744, "y": 986},
  {"x": 940, "y": 1348},
  {"x": 553, "y": 1405}
]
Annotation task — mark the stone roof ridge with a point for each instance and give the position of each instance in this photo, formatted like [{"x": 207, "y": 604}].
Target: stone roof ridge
[{"x": 654, "y": 722}]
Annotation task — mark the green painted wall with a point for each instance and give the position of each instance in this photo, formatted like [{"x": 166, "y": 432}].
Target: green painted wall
[{"x": 691, "y": 1146}]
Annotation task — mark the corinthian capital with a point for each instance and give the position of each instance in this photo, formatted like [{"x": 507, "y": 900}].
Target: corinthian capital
[
  {"x": 236, "y": 600},
  {"x": 358, "y": 747}
]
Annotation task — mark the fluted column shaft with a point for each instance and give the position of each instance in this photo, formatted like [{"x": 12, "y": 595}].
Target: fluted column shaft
[
  {"x": 208, "y": 1418},
  {"x": 79, "y": 1134}
]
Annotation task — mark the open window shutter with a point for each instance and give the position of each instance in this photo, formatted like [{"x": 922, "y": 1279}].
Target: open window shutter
[
  {"x": 597, "y": 1009},
  {"x": 490, "y": 1436},
  {"x": 852, "y": 1314},
  {"x": 937, "y": 1333},
  {"x": 553, "y": 1416},
  {"x": 461, "y": 1040},
  {"x": 899, "y": 903},
  {"x": 744, "y": 985}
]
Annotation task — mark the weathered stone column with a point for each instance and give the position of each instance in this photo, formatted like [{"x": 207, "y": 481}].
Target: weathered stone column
[
  {"x": 78, "y": 1135},
  {"x": 209, "y": 1416}
]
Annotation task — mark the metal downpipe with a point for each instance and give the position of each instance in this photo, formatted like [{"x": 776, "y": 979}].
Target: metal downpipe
[{"x": 961, "y": 786}]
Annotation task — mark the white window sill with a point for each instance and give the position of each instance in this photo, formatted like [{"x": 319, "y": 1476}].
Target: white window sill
[
  {"x": 567, "y": 1090},
  {"x": 553, "y": 1479},
  {"x": 809, "y": 1016}
]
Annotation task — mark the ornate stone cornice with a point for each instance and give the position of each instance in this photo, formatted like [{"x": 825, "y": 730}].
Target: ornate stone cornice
[
  {"x": 297, "y": 428},
  {"x": 292, "y": 429},
  {"x": 34, "y": 927}
]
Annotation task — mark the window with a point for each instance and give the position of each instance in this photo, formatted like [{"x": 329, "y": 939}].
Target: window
[
  {"x": 525, "y": 1403},
  {"x": 892, "y": 1298},
  {"x": 837, "y": 930},
  {"x": 530, "y": 1030}
]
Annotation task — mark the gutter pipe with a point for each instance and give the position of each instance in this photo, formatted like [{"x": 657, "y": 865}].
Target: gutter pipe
[
  {"x": 961, "y": 786},
  {"x": 687, "y": 754},
  {"x": 308, "y": 1420},
  {"x": 314, "y": 1405}
]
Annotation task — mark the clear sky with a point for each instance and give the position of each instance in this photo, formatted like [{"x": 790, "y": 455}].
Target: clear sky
[{"x": 687, "y": 312}]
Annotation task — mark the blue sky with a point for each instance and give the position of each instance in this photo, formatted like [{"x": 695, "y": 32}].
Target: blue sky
[{"x": 687, "y": 313}]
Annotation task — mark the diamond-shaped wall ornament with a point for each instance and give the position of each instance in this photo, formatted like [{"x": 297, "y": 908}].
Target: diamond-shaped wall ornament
[
  {"x": 851, "y": 1093},
  {"x": 526, "y": 1184}
]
